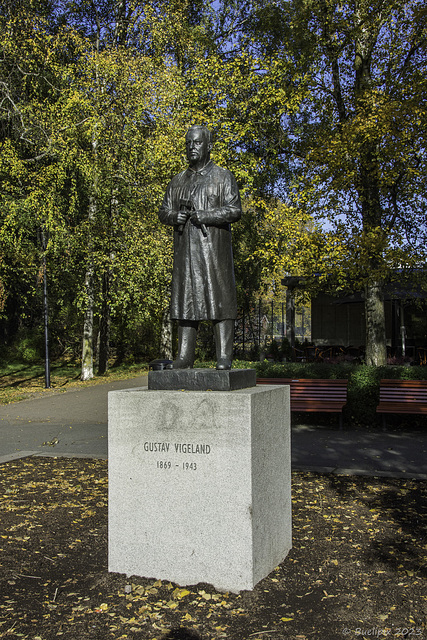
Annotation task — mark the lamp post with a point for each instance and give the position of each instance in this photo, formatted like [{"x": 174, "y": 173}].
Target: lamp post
[{"x": 46, "y": 315}]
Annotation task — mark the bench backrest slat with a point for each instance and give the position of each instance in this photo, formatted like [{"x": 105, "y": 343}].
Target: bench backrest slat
[
  {"x": 403, "y": 391},
  {"x": 316, "y": 390}
]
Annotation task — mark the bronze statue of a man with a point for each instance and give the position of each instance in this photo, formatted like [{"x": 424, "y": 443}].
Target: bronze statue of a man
[{"x": 200, "y": 203}]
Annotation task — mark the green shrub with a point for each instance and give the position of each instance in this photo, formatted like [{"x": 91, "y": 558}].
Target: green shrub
[{"x": 28, "y": 346}]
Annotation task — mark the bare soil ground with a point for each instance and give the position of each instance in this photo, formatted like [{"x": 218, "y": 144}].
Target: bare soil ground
[{"x": 358, "y": 565}]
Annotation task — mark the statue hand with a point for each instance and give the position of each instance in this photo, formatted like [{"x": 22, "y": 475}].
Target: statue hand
[
  {"x": 197, "y": 217},
  {"x": 181, "y": 217}
]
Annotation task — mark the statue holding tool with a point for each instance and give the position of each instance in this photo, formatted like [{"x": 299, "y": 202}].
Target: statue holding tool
[{"x": 201, "y": 203}]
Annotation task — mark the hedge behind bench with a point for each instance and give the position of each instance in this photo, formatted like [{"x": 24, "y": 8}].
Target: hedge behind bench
[{"x": 363, "y": 384}]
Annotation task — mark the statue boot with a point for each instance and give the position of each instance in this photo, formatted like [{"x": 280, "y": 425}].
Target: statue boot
[
  {"x": 187, "y": 334},
  {"x": 224, "y": 339}
]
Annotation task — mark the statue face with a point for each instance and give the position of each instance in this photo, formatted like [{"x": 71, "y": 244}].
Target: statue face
[{"x": 198, "y": 148}]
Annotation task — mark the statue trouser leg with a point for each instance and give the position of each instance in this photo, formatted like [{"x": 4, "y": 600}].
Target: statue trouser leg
[
  {"x": 187, "y": 334},
  {"x": 224, "y": 338}
]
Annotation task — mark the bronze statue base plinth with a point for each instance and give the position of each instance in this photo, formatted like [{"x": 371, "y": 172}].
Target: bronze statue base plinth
[{"x": 201, "y": 379}]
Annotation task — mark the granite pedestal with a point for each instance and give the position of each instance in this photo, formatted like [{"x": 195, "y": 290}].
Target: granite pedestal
[{"x": 199, "y": 484}]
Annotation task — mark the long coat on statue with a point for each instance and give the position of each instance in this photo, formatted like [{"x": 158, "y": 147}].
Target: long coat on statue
[{"x": 203, "y": 285}]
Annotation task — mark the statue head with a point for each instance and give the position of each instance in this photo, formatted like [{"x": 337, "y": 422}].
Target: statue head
[{"x": 198, "y": 144}]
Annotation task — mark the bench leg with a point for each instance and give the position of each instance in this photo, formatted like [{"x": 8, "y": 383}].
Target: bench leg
[
  {"x": 384, "y": 422},
  {"x": 340, "y": 415}
]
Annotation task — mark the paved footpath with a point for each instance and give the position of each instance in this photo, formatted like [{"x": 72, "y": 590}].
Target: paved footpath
[{"x": 74, "y": 424}]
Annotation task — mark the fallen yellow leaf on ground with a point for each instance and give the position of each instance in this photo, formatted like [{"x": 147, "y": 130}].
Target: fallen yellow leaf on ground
[{"x": 178, "y": 594}]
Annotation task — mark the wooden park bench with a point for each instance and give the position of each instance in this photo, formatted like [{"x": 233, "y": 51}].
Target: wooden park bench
[
  {"x": 323, "y": 396},
  {"x": 402, "y": 396}
]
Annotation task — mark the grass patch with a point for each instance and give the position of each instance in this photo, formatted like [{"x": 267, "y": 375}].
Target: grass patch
[{"x": 19, "y": 381}]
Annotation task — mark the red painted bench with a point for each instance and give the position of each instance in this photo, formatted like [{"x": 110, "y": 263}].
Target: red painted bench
[
  {"x": 324, "y": 396},
  {"x": 402, "y": 396}
]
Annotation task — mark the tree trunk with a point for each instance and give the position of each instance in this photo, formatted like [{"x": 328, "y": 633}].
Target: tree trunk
[
  {"x": 290, "y": 317},
  {"x": 88, "y": 329},
  {"x": 104, "y": 326},
  {"x": 369, "y": 193},
  {"x": 376, "y": 348},
  {"x": 87, "y": 350}
]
